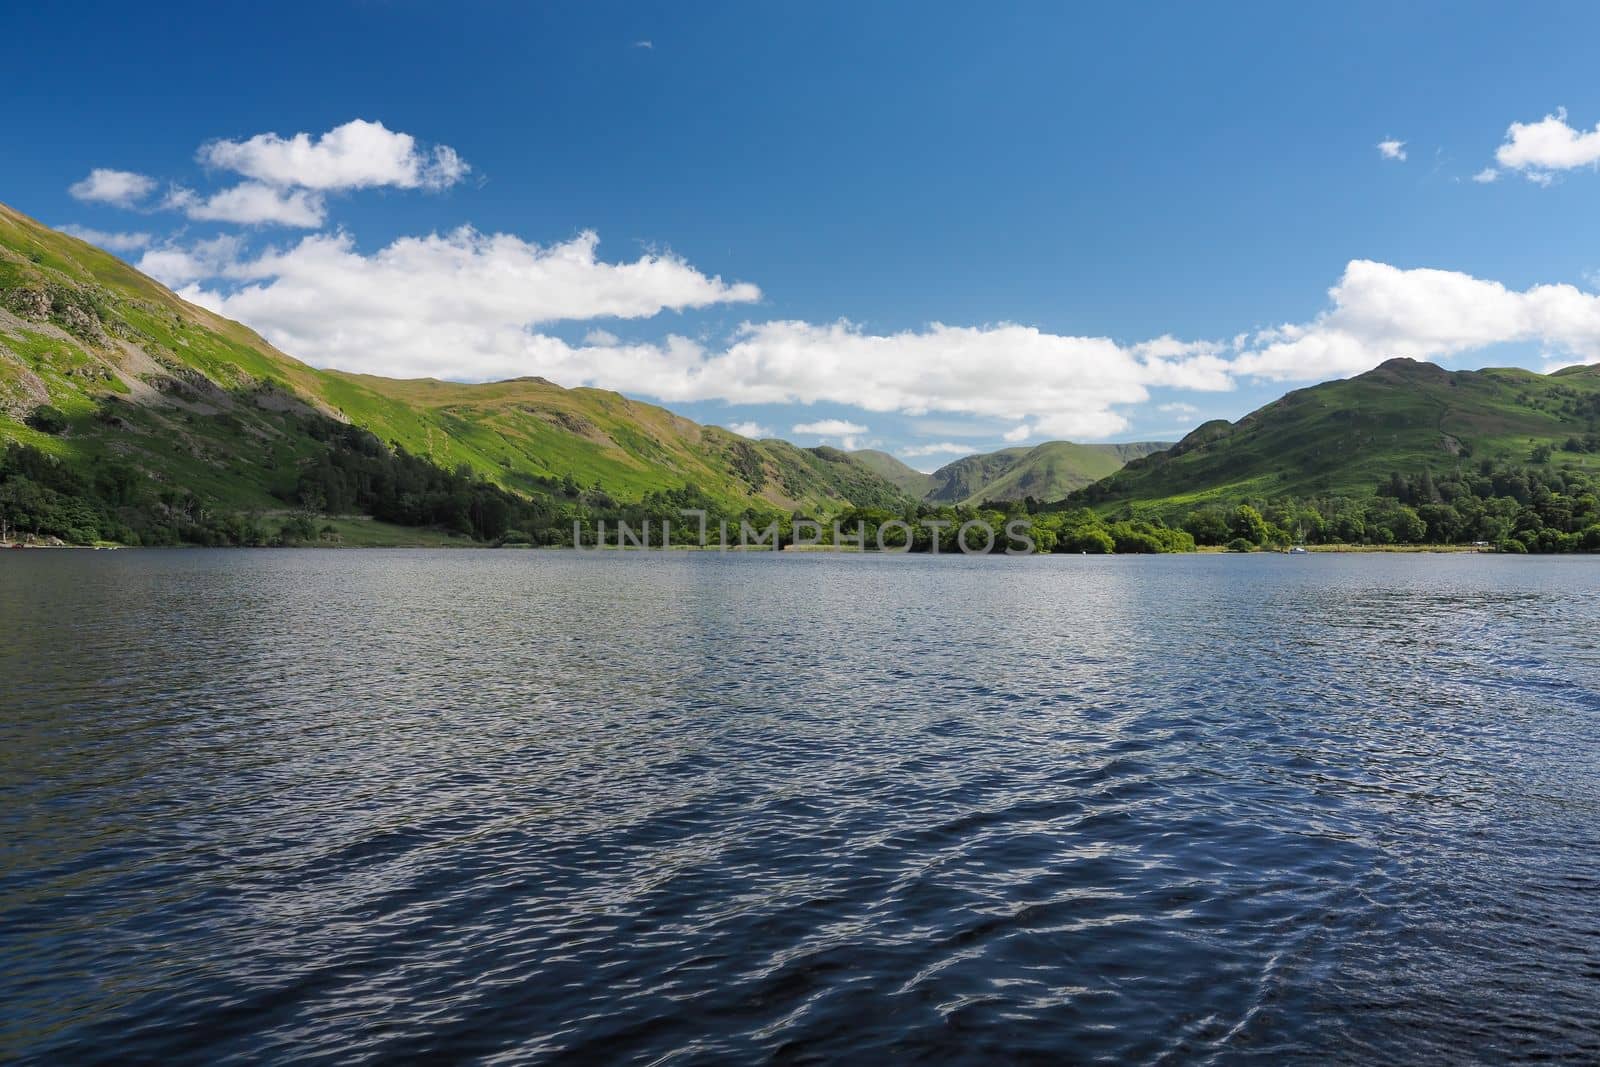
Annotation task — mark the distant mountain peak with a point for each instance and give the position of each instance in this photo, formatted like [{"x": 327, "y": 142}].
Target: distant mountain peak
[
  {"x": 1405, "y": 367},
  {"x": 1045, "y": 471}
]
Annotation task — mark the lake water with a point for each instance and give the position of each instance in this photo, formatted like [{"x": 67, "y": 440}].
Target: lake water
[{"x": 548, "y": 806}]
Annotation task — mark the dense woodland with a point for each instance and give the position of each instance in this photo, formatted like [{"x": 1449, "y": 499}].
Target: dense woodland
[{"x": 1540, "y": 507}]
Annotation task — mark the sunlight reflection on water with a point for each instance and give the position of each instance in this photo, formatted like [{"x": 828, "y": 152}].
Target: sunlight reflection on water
[{"x": 673, "y": 808}]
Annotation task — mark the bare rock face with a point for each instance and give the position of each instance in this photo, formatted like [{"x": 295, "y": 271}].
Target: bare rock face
[
  {"x": 24, "y": 392},
  {"x": 70, "y": 310},
  {"x": 30, "y": 304},
  {"x": 78, "y": 322}
]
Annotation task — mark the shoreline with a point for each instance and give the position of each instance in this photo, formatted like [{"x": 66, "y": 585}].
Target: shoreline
[{"x": 847, "y": 550}]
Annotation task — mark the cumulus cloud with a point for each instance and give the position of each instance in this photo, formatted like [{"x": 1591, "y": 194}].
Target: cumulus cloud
[
  {"x": 846, "y": 433},
  {"x": 456, "y": 304},
  {"x": 357, "y": 155},
  {"x": 1177, "y": 409},
  {"x": 1005, "y": 372},
  {"x": 750, "y": 429},
  {"x": 121, "y": 188},
  {"x": 1537, "y": 149},
  {"x": 1380, "y": 311},
  {"x": 941, "y": 448},
  {"x": 111, "y": 242},
  {"x": 252, "y": 204},
  {"x": 175, "y": 265},
  {"x": 1486, "y": 175},
  {"x": 1392, "y": 149},
  {"x": 829, "y": 428}
]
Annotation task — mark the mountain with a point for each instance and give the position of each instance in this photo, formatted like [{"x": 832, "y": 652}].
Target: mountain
[
  {"x": 909, "y": 480},
  {"x": 100, "y": 364},
  {"x": 1044, "y": 472},
  {"x": 1348, "y": 437}
]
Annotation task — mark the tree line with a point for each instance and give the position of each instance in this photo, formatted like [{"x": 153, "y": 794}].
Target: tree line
[
  {"x": 1527, "y": 508},
  {"x": 1537, "y": 507}
]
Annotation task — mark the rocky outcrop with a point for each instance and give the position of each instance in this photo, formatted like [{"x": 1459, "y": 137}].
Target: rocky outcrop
[{"x": 71, "y": 309}]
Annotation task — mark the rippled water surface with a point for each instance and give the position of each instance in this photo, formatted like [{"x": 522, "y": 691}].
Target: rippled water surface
[{"x": 676, "y": 809}]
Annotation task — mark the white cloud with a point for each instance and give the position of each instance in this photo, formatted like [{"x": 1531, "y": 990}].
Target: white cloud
[
  {"x": 1018, "y": 433},
  {"x": 1392, "y": 149},
  {"x": 829, "y": 428},
  {"x": 750, "y": 429},
  {"x": 251, "y": 204},
  {"x": 122, "y": 188},
  {"x": 846, "y": 433},
  {"x": 1169, "y": 347},
  {"x": 462, "y": 305},
  {"x": 1177, "y": 409},
  {"x": 1380, "y": 311},
  {"x": 1486, "y": 175},
  {"x": 1005, "y": 372},
  {"x": 174, "y": 265},
  {"x": 644, "y": 44},
  {"x": 450, "y": 303},
  {"x": 1539, "y": 148},
  {"x": 357, "y": 155},
  {"x": 942, "y": 448},
  {"x": 111, "y": 242}
]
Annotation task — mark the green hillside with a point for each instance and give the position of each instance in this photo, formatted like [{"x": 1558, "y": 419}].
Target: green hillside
[
  {"x": 909, "y": 480},
  {"x": 100, "y": 365},
  {"x": 1349, "y": 437},
  {"x": 1044, "y": 472}
]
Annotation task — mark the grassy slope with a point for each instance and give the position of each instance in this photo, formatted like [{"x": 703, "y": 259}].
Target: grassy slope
[
  {"x": 212, "y": 405},
  {"x": 1346, "y": 437},
  {"x": 1044, "y": 472},
  {"x": 910, "y": 480}
]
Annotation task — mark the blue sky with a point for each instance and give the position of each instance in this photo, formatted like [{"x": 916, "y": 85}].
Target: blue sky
[{"x": 1110, "y": 215}]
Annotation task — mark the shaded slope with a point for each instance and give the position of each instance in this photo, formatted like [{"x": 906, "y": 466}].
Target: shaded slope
[
  {"x": 1044, "y": 472},
  {"x": 909, "y": 480}
]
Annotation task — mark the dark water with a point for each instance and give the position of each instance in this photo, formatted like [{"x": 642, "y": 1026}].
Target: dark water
[{"x": 548, "y": 806}]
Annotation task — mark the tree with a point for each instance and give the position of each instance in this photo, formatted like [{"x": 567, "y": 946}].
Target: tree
[
  {"x": 1444, "y": 523},
  {"x": 1248, "y": 525},
  {"x": 47, "y": 419},
  {"x": 1208, "y": 526},
  {"x": 1427, "y": 492}
]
